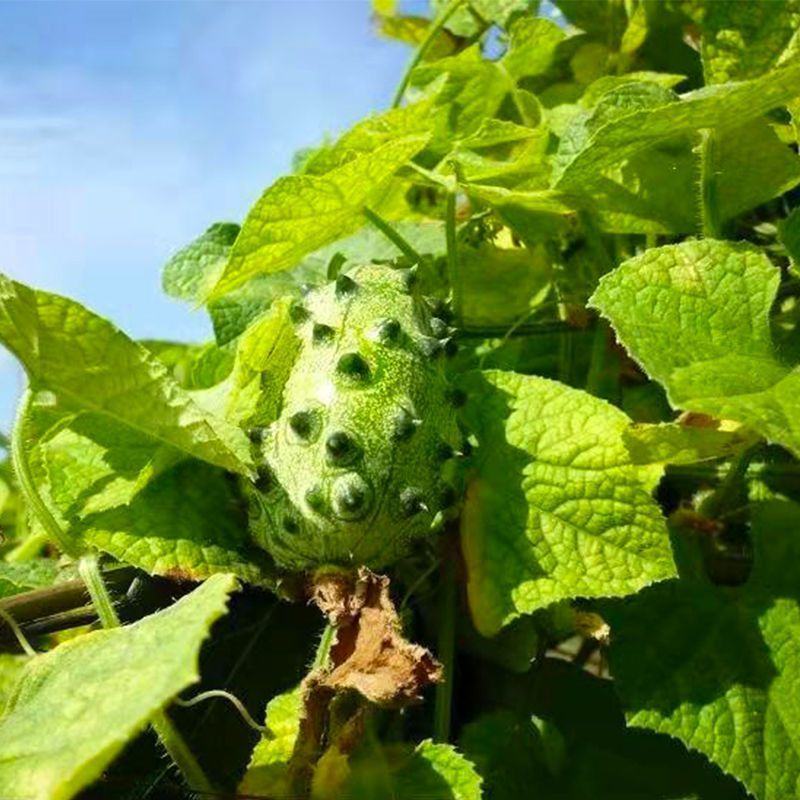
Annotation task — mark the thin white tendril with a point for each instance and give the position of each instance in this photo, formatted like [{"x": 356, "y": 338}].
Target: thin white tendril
[
  {"x": 211, "y": 694},
  {"x": 17, "y": 631}
]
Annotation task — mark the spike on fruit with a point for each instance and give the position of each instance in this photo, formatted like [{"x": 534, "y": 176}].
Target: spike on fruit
[
  {"x": 263, "y": 481},
  {"x": 315, "y": 497},
  {"x": 290, "y": 524},
  {"x": 340, "y": 446},
  {"x": 322, "y": 334},
  {"x": 444, "y": 451},
  {"x": 405, "y": 424},
  {"x": 431, "y": 348},
  {"x": 345, "y": 285},
  {"x": 298, "y": 312},
  {"x": 353, "y": 365},
  {"x": 456, "y": 397},
  {"x": 388, "y": 330},
  {"x": 411, "y": 502},
  {"x": 409, "y": 277},
  {"x": 439, "y": 327},
  {"x": 302, "y": 424}
]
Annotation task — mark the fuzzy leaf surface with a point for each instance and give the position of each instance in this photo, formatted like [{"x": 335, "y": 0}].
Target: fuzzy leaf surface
[
  {"x": 557, "y": 509},
  {"x": 721, "y": 363},
  {"x": 93, "y": 366},
  {"x": 721, "y": 107},
  {"x": 300, "y": 213},
  {"x": 719, "y": 667},
  {"x": 75, "y": 707}
]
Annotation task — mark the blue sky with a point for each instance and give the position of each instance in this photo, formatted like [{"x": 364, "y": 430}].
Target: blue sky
[{"x": 127, "y": 127}]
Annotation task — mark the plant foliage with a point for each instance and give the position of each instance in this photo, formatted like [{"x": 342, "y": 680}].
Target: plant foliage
[{"x": 528, "y": 341}]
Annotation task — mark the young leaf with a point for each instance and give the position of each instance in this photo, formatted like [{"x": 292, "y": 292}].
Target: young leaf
[
  {"x": 721, "y": 363},
  {"x": 300, "y": 213},
  {"x": 718, "y": 667},
  {"x": 74, "y": 708},
  {"x": 557, "y": 509},
  {"x": 721, "y": 107},
  {"x": 92, "y": 366},
  {"x": 186, "y": 273}
]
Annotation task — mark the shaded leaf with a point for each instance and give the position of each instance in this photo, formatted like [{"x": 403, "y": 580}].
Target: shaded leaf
[
  {"x": 718, "y": 667},
  {"x": 75, "y": 707},
  {"x": 557, "y": 509}
]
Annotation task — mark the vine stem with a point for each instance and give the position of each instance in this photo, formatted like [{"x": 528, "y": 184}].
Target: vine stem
[
  {"x": 729, "y": 485},
  {"x": 425, "y": 45},
  {"x": 443, "y": 701},
  {"x": 392, "y": 235},
  {"x": 168, "y": 734},
  {"x": 453, "y": 274},
  {"x": 709, "y": 205},
  {"x": 22, "y": 469}
]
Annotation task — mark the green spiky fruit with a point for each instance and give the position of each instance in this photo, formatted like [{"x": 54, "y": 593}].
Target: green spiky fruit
[{"x": 361, "y": 461}]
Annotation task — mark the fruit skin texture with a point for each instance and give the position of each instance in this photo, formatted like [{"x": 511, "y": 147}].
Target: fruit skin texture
[{"x": 360, "y": 462}]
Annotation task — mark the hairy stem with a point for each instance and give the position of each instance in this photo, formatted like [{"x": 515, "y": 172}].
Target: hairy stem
[
  {"x": 709, "y": 202},
  {"x": 168, "y": 734},
  {"x": 443, "y": 703},
  {"x": 425, "y": 45},
  {"x": 22, "y": 469},
  {"x": 392, "y": 235},
  {"x": 731, "y": 484}
]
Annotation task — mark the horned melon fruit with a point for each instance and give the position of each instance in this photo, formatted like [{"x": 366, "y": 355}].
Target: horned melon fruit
[{"x": 362, "y": 460}]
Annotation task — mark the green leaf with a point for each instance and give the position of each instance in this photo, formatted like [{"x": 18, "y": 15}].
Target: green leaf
[
  {"x": 752, "y": 166},
  {"x": 187, "y": 272},
  {"x": 722, "y": 107},
  {"x": 75, "y": 707},
  {"x": 11, "y": 667},
  {"x": 430, "y": 770},
  {"x": 92, "y": 366},
  {"x": 437, "y": 771},
  {"x": 501, "y": 286},
  {"x": 721, "y": 363},
  {"x": 581, "y": 749},
  {"x": 743, "y": 40},
  {"x": 147, "y": 507},
  {"x": 674, "y": 443},
  {"x": 474, "y": 91},
  {"x": 35, "y": 573},
  {"x": 789, "y": 233},
  {"x": 187, "y": 524},
  {"x": 414, "y": 119},
  {"x": 264, "y": 357},
  {"x": 532, "y": 47},
  {"x": 267, "y": 772},
  {"x": 557, "y": 509},
  {"x": 718, "y": 667},
  {"x": 300, "y": 213}
]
